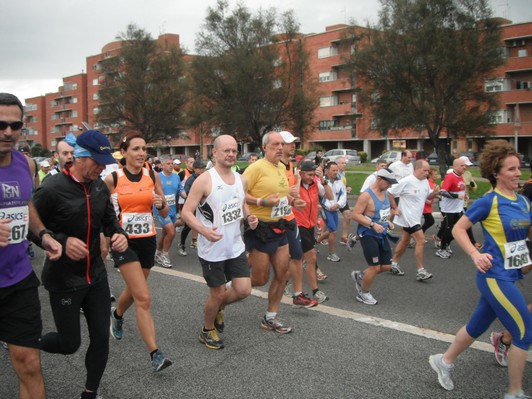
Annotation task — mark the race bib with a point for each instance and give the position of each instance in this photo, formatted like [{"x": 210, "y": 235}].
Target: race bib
[
  {"x": 231, "y": 211},
  {"x": 282, "y": 209},
  {"x": 384, "y": 215},
  {"x": 516, "y": 255},
  {"x": 19, "y": 225},
  {"x": 137, "y": 224},
  {"x": 170, "y": 199}
]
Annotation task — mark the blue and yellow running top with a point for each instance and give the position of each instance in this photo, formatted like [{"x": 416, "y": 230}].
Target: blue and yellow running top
[{"x": 505, "y": 223}]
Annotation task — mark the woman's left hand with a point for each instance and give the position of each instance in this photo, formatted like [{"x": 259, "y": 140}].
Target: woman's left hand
[{"x": 482, "y": 261}]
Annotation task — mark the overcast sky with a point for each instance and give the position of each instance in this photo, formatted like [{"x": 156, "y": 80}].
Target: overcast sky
[{"x": 43, "y": 41}]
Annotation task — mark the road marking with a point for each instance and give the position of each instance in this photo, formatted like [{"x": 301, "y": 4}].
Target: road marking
[{"x": 347, "y": 314}]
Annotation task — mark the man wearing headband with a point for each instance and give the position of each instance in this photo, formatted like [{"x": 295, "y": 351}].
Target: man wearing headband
[{"x": 77, "y": 206}]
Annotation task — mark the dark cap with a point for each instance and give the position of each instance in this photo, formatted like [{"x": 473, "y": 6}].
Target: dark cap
[
  {"x": 307, "y": 166},
  {"x": 24, "y": 148},
  {"x": 97, "y": 145},
  {"x": 199, "y": 164},
  {"x": 387, "y": 175}
]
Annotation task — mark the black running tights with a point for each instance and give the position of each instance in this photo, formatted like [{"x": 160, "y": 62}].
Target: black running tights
[{"x": 96, "y": 303}]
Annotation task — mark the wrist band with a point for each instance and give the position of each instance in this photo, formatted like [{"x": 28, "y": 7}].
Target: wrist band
[
  {"x": 258, "y": 201},
  {"x": 264, "y": 202}
]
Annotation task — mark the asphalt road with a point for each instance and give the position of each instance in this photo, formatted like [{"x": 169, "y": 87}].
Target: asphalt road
[{"x": 340, "y": 349}]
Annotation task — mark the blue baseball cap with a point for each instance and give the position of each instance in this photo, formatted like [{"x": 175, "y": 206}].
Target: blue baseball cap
[{"x": 97, "y": 145}]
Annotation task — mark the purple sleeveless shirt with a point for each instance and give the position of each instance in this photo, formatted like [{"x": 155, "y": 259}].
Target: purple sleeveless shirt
[{"x": 15, "y": 193}]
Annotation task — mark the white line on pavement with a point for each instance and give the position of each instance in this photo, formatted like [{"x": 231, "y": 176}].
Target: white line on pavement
[{"x": 347, "y": 314}]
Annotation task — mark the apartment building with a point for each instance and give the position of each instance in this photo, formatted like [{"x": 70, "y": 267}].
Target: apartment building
[{"x": 339, "y": 122}]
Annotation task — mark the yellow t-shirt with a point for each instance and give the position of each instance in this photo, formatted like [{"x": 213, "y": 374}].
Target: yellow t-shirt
[{"x": 265, "y": 179}]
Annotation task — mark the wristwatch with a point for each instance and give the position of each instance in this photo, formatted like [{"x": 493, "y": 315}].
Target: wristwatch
[
  {"x": 46, "y": 231},
  {"x": 371, "y": 224}
]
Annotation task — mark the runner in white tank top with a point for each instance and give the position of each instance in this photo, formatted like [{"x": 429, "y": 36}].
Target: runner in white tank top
[
  {"x": 222, "y": 209},
  {"x": 215, "y": 208}
]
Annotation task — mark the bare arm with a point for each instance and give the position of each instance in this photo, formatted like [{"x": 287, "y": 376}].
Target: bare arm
[{"x": 482, "y": 261}]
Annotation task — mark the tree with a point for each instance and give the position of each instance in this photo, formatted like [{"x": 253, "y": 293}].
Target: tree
[
  {"x": 423, "y": 67},
  {"x": 251, "y": 75},
  {"x": 144, "y": 88}
]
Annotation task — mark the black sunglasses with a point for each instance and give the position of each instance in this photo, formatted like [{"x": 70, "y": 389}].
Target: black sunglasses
[{"x": 13, "y": 125}]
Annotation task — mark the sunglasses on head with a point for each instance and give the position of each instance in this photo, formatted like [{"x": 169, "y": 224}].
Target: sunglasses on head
[{"x": 17, "y": 125}]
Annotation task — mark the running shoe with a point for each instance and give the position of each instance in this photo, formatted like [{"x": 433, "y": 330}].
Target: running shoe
[
  {"x": 320, "y": 296},
  {"x": 320, "y": 276},
  {"x": 181, "y": 251},
  {"x": 159, "y": 361},
  {"x": 211, "y": 339},
  {"x": 422, "y": 275},
  {"x": 356, "y": 276},
  {"x": 412, "y": 243},
  {"x": 396, "y": 270},
  {"x": 333, "y": 257},
  {"x": 519, "y": 395},
  {"x": 437, "y": 241},
  {"x": 343, "y": 240},
  {"x": 276, "y": 325},
  {"x": 443, "y": 253},
  {"x": 194, "y": 244},
  {"x": 288, "y": 290},
  {"x": 219, "y": 323},
  {"x": 366, "y": 298},
  {"x": 116, "y": 325},
  {"x": 324, "y": 242},
  {"x": 351, "y": 241},
  {"x": 163, "y": 261},
  {"x": 443, "y": 371},
  {"x": 303, "y": 301},
  {"x": 500, "y": 349}
]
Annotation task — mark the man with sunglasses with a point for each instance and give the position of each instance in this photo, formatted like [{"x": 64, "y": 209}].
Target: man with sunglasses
[{"x": 20, "y": 308}]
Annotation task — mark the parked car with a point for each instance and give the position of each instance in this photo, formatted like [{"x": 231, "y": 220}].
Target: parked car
[
  {"x": 245, "y": 156},
  {"x": 351, "y": 156},
  {"x": 433, "y": 159},
  {"x": 311, "y": 155},
  {"x": 389, "y": 157}
]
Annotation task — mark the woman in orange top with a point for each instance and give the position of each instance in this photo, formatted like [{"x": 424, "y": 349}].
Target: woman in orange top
[{"x": 135, "y": 189}]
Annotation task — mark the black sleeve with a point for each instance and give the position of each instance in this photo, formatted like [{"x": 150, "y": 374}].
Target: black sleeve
[{"x": 527, "y": 191}]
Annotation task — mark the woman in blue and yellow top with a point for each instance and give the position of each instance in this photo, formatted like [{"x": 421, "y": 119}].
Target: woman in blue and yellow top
[
  {"x": 506, "y": 220},
  {"x": 135, "y": 190}
]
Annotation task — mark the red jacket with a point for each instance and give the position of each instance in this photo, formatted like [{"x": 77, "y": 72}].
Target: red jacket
[{"x": 308, "y": 217}]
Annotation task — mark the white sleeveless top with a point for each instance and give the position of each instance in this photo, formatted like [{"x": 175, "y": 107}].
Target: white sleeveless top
[{"x": 223, "y": 209}]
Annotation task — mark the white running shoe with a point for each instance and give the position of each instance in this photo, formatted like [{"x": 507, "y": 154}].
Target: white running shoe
[
  {"x": 422, "y": 275},
  {"x": 443, "y": 253},
  {"x": 444, "y": 372},
  {"x": 366, "y": 297},
  {"x": 333, "y": 257}
]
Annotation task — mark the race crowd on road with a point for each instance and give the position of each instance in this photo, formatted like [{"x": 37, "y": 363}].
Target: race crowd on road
[{"x": 260, "y": 225}]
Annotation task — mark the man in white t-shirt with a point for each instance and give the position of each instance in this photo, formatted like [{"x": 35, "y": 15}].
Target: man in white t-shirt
[
  {"x": 373, "y": 177},
  {"x": 413, "y": 191},
  {"x": 403, "y": 167}
]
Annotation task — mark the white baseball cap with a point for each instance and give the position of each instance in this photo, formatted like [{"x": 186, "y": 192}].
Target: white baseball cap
[
  {"x": 465, "y": 160},
  {"x": 176, "y": 162},
  {"x": 45, "y": 164},
  {"x": 288, "y": 137}
]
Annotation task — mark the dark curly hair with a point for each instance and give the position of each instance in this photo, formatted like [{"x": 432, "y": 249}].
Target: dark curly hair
[{"x": 493, "y": 155}]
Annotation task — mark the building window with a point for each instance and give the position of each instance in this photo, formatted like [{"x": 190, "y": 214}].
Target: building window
[
  {"x": 523, "y": 85},
  {"x": 74, "y": 114},
  {"x": 522, "y": 53},
  {"x": 96, "y": 67},
  {"x": 95, "y": 82},
  {"x": 328, "y": 101},
  {"x": 30, "y": 107},
  {"x": 501, "y": 116},
  {"x": 494, "y": 85},
  {"x": 325, "y": 52},
  {"x": 328, "y": 76},
  {"x": 96, "y": 110},
  {"x": 277, "y": 83},
  {"x": 96, "y": 96}
]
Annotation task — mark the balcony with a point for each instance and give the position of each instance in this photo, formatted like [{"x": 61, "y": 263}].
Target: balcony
[
  {"x": 62, "y": 95},
  {"x": 63, "y": 122}
]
